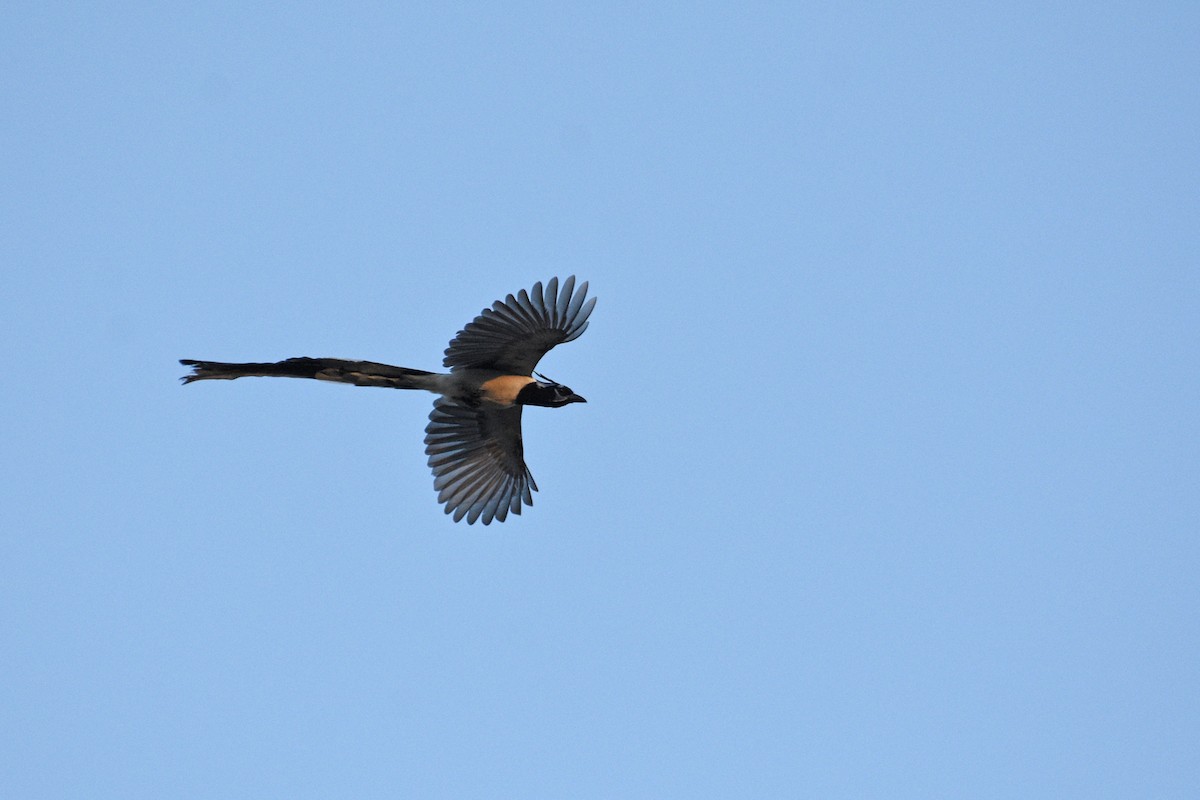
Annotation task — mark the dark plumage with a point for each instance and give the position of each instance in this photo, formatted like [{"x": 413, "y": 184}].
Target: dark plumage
[{"x": 473, "y": 438}]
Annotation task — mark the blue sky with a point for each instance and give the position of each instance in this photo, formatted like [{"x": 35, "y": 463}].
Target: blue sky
[{"x": 887, "y": 482}]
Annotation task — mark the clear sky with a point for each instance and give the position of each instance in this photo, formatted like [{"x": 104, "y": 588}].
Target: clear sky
[{"x": 887, "y": 485}]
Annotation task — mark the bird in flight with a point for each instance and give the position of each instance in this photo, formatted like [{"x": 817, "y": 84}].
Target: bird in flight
[{"x": 473, "y": 438}]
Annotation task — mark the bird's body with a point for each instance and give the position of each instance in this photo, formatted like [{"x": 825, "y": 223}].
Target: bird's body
[{"x": 473, "y": 438}]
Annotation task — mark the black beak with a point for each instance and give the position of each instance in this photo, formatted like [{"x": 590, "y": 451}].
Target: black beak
[{"x": 574, "y": 398}]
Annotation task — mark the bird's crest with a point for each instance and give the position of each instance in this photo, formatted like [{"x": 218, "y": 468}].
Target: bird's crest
[{"x": 546, "y": 380}]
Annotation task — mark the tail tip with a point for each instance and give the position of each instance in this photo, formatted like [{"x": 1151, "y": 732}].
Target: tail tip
[{"x": 195, "y": 375}]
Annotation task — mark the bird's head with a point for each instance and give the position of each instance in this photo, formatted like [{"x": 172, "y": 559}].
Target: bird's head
[{"x": 545, "y": 392}]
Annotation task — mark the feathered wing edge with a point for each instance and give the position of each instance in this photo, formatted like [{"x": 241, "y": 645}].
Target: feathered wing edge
[
  {"x": 478, "y": 473},
  {"x": 517, "y": 331}
]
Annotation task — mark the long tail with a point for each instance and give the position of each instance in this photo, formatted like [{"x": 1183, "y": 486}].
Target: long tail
[{"x": 359, "y": 373}]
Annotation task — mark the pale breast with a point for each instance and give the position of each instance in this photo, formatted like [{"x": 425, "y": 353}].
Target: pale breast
[{"x": 504, "y": 389}]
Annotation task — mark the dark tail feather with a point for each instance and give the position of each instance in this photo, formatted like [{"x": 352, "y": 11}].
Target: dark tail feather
[{"x": 359, "y": 373}]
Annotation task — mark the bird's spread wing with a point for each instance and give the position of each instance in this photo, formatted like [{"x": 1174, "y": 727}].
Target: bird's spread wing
[
  {"x": 477, "y": 460},
  {"x": 514, "y": 334}
]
